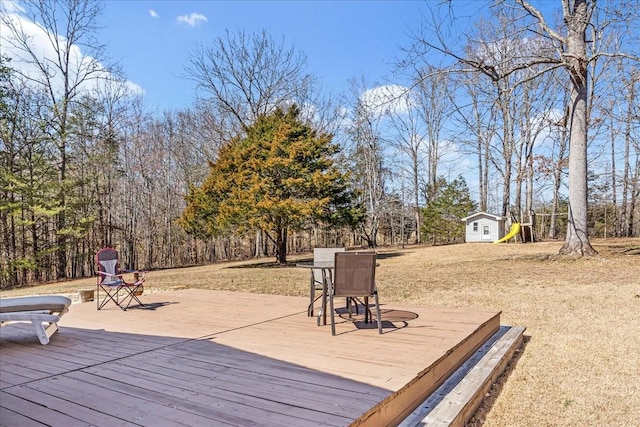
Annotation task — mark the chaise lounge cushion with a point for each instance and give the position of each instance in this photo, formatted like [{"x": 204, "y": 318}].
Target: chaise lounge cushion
[
  {"x": 38, "y": 310},
  {"x": 52, "y": 303}
]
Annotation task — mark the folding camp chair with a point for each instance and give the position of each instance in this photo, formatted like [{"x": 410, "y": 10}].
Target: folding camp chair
[
  {"x": 354, "y": 277},
  {"x": 112, "y": 283}
]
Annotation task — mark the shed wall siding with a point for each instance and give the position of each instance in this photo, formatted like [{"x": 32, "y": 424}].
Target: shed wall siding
[{"x": 496, "y": 228}]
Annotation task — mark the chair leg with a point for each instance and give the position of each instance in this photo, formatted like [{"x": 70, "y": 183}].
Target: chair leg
[
  {"x": 367, "y": 311},
  {"x": 42, "y": 332},
  {"x": 378, "y": 318},
  {"x": 327, "y": 289},
  {"x": 135, "y": 291},
  {"x": 114, "y": 295},
  {"x": 352, "y": 302},
  {"x": 333, "y": 320},
  {"x": 312, "y": 293},
  {"x": 129, "y": 297},
  {"x": 109, "y": 296}
]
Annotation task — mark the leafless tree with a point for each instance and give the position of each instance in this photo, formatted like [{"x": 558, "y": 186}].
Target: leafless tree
[
  {"x": 247, "y": 75},
  {"x": 533, "y": 118},
  {"x": 434, "y": 106},
  {"x": 577, "y": 50},
  {"x": 572, "y": 47},
  {"x": 407, "y": 138},
  {"x": 365, "y": 155},
  {"x": 475, "y": 124},
  {"x": 630, "y": 175}
]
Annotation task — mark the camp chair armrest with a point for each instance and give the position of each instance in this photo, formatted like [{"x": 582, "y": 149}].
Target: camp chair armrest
[
  {"x": 138, "y": 275},
  {"x": 102, "y": 273}
]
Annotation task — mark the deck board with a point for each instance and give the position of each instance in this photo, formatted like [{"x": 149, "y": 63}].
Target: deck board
[{"x": 196, "y": 357}]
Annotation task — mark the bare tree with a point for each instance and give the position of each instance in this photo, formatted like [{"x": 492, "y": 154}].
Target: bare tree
[
  {"x": 475, "y": 122},
  {"x": 574, "y": 49},
  {"x": 557, "y": 165},
  {"x": 365, "y": 153},
  {"x": 248, "y": 75},
  {"x": 575, "y": 56},
  {"x": 407, "y": 137},
  {"x": 629, "y": 176},
  {"x": 434, "y": 105},
  {"x": 533, "y": 118},
  {"x": 64, "y": 75}
]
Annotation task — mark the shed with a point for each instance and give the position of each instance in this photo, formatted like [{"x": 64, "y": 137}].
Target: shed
[{"x": 484, "y": 227}]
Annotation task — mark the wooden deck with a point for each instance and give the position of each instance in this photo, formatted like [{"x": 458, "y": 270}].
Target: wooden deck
[{"x": 204, "y": 358}]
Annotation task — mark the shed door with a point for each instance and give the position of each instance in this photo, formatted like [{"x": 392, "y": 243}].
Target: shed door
[{"x": 486, "y": 232}]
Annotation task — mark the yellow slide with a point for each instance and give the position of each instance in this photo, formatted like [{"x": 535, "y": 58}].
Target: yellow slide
[{"x": 515, "y": 229}]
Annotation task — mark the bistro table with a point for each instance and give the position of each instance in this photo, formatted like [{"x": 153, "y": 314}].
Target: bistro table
[{"x": 326, "y": 268}]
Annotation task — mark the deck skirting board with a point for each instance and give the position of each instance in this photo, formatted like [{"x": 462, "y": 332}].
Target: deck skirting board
[
  {"x": 397, "y": 406},
  {"x": 456, "y": 400}
]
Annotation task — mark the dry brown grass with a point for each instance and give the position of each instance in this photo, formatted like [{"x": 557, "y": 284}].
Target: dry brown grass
[{"x": 581, "y": 364}]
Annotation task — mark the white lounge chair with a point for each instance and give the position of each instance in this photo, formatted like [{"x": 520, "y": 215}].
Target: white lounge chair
[{"x": 43, "y": 311}]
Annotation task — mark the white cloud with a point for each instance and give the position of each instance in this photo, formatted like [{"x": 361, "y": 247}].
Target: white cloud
[
  {"x": 43, "y": 50},
  {"x": 10, "y": 6},
  {"x": 153, "y": 13},
  {"x": 387, "y": 99},
  {"x": 192, "y": 20}
]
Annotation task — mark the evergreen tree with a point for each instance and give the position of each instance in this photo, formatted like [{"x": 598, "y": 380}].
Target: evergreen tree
[
  {"x": 443, "y": 214},
  {"x": 278, "y": 178}
]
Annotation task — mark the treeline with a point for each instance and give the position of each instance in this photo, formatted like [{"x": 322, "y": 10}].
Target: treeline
[{"x": 84, "y": 164}]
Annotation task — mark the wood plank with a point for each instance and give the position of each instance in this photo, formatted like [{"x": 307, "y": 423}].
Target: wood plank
[
  {"x": 9, "y": 418},
  {"x": 30, "y": 373},
  {"x": 214, "y": 400},
  {"x": 9, "y": 378},
  {"x": 460, "y": 404},
  {"x": 36, "y": 412},
  {"x": 229, "y": 358},
  {"x": 72, "y": 409},
  {"x": 251, "y": 385},
  {"x": 120, "y": 403},
  {"x": 40, "y": 363}
]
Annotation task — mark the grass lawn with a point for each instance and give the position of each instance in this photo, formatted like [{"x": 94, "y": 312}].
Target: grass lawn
[{"x": 580, "y": 365}]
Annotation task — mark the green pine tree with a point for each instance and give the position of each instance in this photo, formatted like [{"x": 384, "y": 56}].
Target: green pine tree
[{"x": 442, "y": 217}]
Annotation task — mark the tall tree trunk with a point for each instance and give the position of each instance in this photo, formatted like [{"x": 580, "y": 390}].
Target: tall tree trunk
[
  {"x": 281, "y": 244},
  {"x": 61, "y": 242},
  {"x": 625, "y": 225},
  {"x": 614, "y": 199},
  {"x": 482, "y": 194},
  {"x": 557, "y": 180},
  {"x": 507, "y": 150},
  {"x": 577, "y": 240}
]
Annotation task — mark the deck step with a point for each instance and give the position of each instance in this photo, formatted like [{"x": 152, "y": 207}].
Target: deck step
[{"x": 456, "y": 400}]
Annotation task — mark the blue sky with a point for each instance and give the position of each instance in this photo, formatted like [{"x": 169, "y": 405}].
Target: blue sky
[
  {"x": 342, "y": 39},
  {"x": 151, "y": 40}
]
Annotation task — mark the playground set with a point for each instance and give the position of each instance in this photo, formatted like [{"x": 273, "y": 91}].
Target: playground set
[{"x": 520, "y": 230}]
